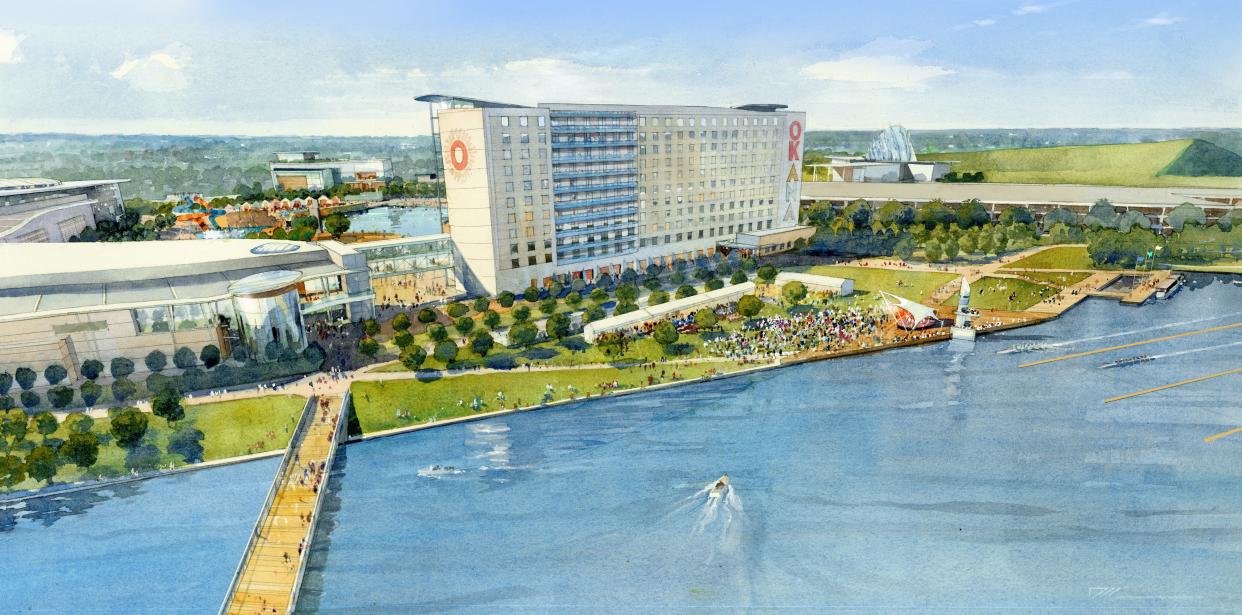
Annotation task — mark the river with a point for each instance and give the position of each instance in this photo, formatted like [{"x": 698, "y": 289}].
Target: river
[{"x": 919, "y": 478}]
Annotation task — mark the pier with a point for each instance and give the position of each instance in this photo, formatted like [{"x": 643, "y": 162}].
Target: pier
[{"x": 269, "y": 575}]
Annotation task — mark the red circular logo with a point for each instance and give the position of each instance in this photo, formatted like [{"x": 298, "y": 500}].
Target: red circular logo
[{"x": 459, "y": 156}]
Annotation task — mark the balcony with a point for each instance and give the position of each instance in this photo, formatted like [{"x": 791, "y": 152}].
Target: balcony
[
  {"x": 567, "y": 205},
  {"x": 630, "y": 157},
  {"x": 594, "y": 173},
  {"x": 562, "y": 252},
  {"x": 573, "y": 128},
  {"x": 573, "y": 144},
  {"x": 563, "y": 113},
  {"x": 577, "y": 232},
  {"x": 594, "y": 187},
  {"x": 598, "y": 215}
]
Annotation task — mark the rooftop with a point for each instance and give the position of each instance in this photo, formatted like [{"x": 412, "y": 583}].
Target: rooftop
[{"x": 23, "y": 185}]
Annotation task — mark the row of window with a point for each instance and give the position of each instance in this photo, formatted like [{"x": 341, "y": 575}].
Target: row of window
[
  {"x": 507, "y": 170},
  {"x": 522, "y": 120},
  {"x": 774, "y": 120},
  {"x": 523, "y": 138},
  {"x": 523, "y": 154},
  {"x": 714, "y": 147}
]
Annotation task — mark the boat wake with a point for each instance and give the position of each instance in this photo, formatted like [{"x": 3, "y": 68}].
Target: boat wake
[
  {"x": 438, "y": 471},
  {"x": 1054, "y": 345},
  {"x": 1147, "y": 358}
]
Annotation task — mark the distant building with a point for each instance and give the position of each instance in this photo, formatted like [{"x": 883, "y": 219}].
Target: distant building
[
  {"x": 46, "y": 210},
  {"x": 568, "y": 191},
  {"x": 294, "y": 171},
  {"x": 891, "y": 159}
]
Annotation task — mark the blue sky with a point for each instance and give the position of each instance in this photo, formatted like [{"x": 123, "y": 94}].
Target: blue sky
[{"x": 353, "y": 68}]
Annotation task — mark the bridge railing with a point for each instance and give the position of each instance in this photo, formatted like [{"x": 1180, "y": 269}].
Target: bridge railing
[
  {"x": 337, "y": 432},
  {"x": 308, "y": 415}
]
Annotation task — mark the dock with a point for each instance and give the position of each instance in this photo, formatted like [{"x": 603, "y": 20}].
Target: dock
[{"x": 269, "y": 576}]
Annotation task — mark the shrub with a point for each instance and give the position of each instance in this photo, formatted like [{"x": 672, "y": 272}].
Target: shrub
[
  {"x": 210, "y": 355},
  {"x": 368, "y": 346},
  {"x": 370, "y": 327},
  {"x": 437, "y": 332},
  {"x": 573, "y": 299},
  {"x": 241, "y": 354},
  {"x": 481, "y": 342},
  {"x": 90, "y": 392},
  {"x": 531, "y": 294},
  {"x": 60, "y": 396},
  {"x": 491, "y": 318},
  {"x": 686, "y": 291},
  {"x": 184, "y": 358},
  {"x": 739, "y": 277},
  {"x": 54, "y": 373},
  {"x": 403, "y": 339},
  {"x": 749, "y": 306},
  {"x": 599, "y": 295},
  {"x": 557, "y": 326},
  {"x": 456, "y": 310},
  {"x": 445, "y": 351},
  {"x": 91, "y": 369},
  {"x": 155, "y": 361},
  {"x": 272, "y": 350},
  {"x": 123, "y": 389},
  {"x": 505, "y": 299},
  {"x": 523, "y": 334},
  {"x": 481, "y": 304},
  {"x": 794, "y": 291},
  {"x": 767, "y": 273},
  {"x": 626, "y": 308},
  {"x": 427, "y": 316},
  {"x": 521, "y": 314},
  {"x": 464, "y": 325},
  {"x": 714, "y": 284},
  {"x": 401, "y": 322},
  {"x": 657, "y": 297},
  {"x": 30, "y": 399}
]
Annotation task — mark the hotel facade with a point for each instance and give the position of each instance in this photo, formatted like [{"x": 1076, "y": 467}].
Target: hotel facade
[{"x": 563, "y": 191}]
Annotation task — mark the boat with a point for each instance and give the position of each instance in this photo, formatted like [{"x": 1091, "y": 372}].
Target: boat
[
  {"x": 1237, "y": 282},
  {"x": 1027, "y": 347},
  {"x": 719, "y": 487},
  {"x": 436, "y": 471},
  {"x": 1168, "y": 287},
  {"x": 1128, "y": 361}
]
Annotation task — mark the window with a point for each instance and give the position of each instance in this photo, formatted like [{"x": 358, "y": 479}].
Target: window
[
  {"x": 508, "y": 186},
  {"x": 152, "y": 320},
  {"x": 525, "y": 137},
  {"x": 543, "y": 136},
  {"x": 506, "y": 154},
  {"x": 504, "y": 137},
  {"x": 508, "y": 171},
  {"x": 509, "y": 202},
  {"x": 504, "y": 120},
  {"x": 515, "y": 263},
  {"x": 543, "y": 121}
]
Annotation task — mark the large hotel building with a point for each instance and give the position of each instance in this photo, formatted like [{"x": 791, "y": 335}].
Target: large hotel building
[{"x": 563, "y": 191}]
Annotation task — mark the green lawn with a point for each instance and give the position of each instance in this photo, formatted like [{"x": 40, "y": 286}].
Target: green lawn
[
  {"x": 1060, "y": 279},
  {"x": 376, "y": 403},
  {"x": 1060, "y": 257},
  {"x": 993, "y": 294},
  {"x": 912, "y": 285},
  {"x": 1132, "y": 164}
]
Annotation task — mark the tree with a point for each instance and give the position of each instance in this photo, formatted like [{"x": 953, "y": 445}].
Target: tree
[
  {"x": 1017, "y": 215},
  {"x": 167, "y": 405},
  {"x": 121, "y": 367},
  {"x": 413, "y": 357},
  {"x": 437, "y": 333},
  {"x": 481, "y": 342},
  {"x": 951, "y": 248},
  {"x": 652, "y": 284},
  {"x": 14, "y": 424},
  {"x": 557, "y": 326},
  {"x": 91, "y": 369},
  {"x": 187, "y": 442},
  {"x": 966, "y": 244},
  {"x": 972, "y": 213},
  {"x": 767, "y": 273},
  {"x": 123, "y": 389},
  {"x": 686, "y": 291},
  {"x": 714, "y": 284},
  {"x": 491, "y": 318},
  {"x": 464, "y": 325},
  {"x": 184, "y": 358},
  {"x": 573, "y": 299},
  {"x": 30, "y": 400},
  {"x": 793, "y": 292},
  {"x": 41, "y": 464},
  {"x": 54, "y": 373},
  {"x": 210, "y": 355},
  {"x": 427, "y": 316},
  {"x": 368, "y": 346},
  {"x": 705, "y": 318},
  {"x": 1102, "y": 215},
  {"x": 401, "y": 322},
  {"x": 456, "y": 310},
  {"x": 46, "y": 424},
  {"x": 896, "y": 212},
  {"x": 155, "y": 361},
  {"x": 505, "y": 299},
  {"x": 25, "y": 377},
  {"x": 521, "y": 314},
  {"x": 547, "y": 306},
  {"x": 749, "y": 306},
  {"x": 531, "y": 294},
  {"x": 627, "y": 293},
  {"x": 933, "y": 252},
  {"x": 445, "y": 351},
  {"x": 1184, "y": 214},
  {"x": 481, "y": 304},
  {"x": 593, "y": 314},
  {"x": 272, "y": 350},
  {"x": 12, "y": 470},
  {"x": 403, "y": 339},
  {"x": 60, "y": 396},
  {"x": 657, "y": 297},
  {"x": 336, "y": 224},
  {"x": 1131, "y": 219},
  {"x": 625, "y": 308},
  {"x": 523, "y": 334},
  {"x": 81, "y": 449},
  {"x": 665, "y": 333},
  {"x": 599, "y": 295},
  {"x": 1059, "y": 215},
  {"x": 79, "y": 422},
  {"x": 128, "y": 427},
  {"x": 738, "y": 277},
  {"x": 370, "y": 327}
]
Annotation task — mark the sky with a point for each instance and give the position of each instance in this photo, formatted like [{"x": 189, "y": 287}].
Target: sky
[{"x": 354, "y": 68}]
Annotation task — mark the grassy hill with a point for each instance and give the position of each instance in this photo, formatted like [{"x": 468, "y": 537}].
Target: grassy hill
[{"x": 1184, "y": 162}]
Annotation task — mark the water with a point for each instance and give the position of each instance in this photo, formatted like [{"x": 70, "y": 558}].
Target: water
[
  {"x": 919, "y": 478},
  {"x": 165, "y": 545},
  {"x": 404, "y": 221}
]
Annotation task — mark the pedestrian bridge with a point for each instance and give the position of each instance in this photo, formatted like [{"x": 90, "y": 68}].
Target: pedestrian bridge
[{"x": 269, "y": 575}]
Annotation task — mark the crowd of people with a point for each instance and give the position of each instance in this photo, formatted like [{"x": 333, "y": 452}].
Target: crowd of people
[{"x": 835, "y": 328}]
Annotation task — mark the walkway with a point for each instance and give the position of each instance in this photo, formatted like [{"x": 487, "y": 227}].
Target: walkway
[{"x": 268, "y": 579}]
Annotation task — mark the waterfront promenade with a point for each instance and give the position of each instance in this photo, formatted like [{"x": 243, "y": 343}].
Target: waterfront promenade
[{"x": 270, "y": 574}]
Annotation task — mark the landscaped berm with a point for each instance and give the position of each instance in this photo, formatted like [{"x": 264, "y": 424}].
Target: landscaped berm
[{"x": 1185, "y": 162}]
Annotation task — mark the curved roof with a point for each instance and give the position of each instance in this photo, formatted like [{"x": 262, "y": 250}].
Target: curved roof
[{"x": 26, "y": 183}]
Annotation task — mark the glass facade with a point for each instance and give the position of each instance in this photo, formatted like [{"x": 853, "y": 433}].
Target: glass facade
[
  {"x": 409, "y": 257},
  {"x": 152, "y": 319},
  {"x": 595, "y": 178},
  {"x": 271, "y": 317}
]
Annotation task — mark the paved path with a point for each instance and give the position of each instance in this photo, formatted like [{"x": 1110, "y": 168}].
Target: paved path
[{"x": 272, "y": 568}]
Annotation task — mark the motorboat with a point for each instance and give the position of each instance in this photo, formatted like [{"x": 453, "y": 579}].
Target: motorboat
[
  {"x": 1169, "y": 286},
  {"x": 719, "y": 487},
  {"x": 1128, "y": 361},
  {"x": 1027, "y": 347},
  {"x": 436, "y": 471}
]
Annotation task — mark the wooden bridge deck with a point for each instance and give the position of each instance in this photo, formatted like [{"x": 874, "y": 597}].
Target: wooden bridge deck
[{"x": 272, "y": 569}]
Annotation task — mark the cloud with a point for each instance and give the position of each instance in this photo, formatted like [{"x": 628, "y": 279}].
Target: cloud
[
  {"x": 1163, "y": 19},
  {"x": 10, "y": 47},
  {"x": 160, "y": 71},
  {"x": 983, "y": 23},
  {"x": 1110, "y": 75},
  {"x": 883, "y": 63},
  {"x": 1031, "y": 8}
]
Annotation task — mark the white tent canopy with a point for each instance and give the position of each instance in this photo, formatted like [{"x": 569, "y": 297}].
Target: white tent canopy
[
  {"x": 654, "y": 313},
  {"x": 817, "y": 283}
]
